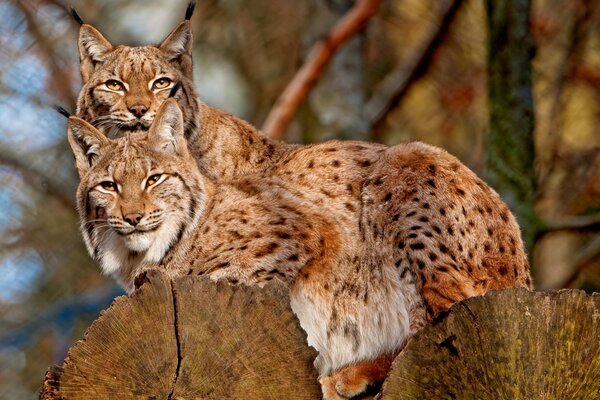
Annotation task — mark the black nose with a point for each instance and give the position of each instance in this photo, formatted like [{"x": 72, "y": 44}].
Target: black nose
[
  {"x": 138, "y": 110},
  {"x": 133, "y": 218}
]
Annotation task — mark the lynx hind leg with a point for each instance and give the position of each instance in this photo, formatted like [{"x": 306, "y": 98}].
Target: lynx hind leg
[{"x": 359, "y": 380}]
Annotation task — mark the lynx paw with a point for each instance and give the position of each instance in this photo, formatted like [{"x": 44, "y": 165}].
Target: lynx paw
[{"x": 357, "y": 381}]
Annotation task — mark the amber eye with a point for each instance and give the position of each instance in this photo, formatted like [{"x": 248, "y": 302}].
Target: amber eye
[
  {"x": 153, "y": 179},
  {"x": 114, "y": 85},
  {"x": 161, "y": 83},
  {"x": 108, "y": 185}
]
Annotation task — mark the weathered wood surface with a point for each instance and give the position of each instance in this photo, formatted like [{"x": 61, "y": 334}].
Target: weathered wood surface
[
  {"x": 190, "y": 339},
  {"x": 510, "y": 344},
  {"x": 193, "y": 339}
]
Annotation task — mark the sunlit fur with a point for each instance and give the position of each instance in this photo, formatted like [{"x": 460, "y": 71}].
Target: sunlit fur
[
  {"x": 137, "y": 68},
  {"x": 419, "y": 230}
]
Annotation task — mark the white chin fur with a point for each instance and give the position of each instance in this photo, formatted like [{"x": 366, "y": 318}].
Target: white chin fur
[{"x": 139, "y": 242}]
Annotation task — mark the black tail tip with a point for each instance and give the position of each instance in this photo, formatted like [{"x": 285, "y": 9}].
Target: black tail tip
[
  {"x": 62, "y": 111},
  {"x": 190, "y": 10},
  {"x": 174, "y": 89},
  {"x": 76, "y": 16}
]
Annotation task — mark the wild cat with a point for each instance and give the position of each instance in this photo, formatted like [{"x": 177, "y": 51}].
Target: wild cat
[{"x": 144, "y": 204}]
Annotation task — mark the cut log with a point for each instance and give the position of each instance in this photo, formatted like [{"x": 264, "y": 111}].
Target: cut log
[
  {"x": 190, "y": 338},
  {"x": 510, "y": 344}
]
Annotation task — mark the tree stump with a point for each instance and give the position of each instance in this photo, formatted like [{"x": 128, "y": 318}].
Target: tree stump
[
  {"x": 190, "y": 338},
  {"x": 509, "y": 344},
  {"x": 195, "y": 339}
]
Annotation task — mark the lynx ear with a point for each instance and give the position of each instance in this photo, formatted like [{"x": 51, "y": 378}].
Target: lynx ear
[
  {"x": 178, "y": 47},
  {"x": 166, "y": 132},
  {"x": 87, "y": 143},
  {"x": 93, "y": 48}
]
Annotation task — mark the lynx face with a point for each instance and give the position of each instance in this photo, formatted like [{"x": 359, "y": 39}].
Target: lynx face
[
  {"x": 124, "y": 86},
  {"x": 137, "y": 194}
]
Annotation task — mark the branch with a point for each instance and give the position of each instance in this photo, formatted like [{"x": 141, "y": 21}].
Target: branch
[
  {"x": 582, "y": 260},
  {"x": 321, "y": 54},
  {"x": 580, "y": 223},
  {"x": 36, "y": 178},
  {"x": 394, "y": 87},
  {"x": 60, "y": 73}
]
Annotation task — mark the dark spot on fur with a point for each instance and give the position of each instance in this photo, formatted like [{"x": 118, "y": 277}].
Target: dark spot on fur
[
  {"x": 415, "y": 227},
  {"x": 442, "y": 211},
  {"x": 412, "y": 213},
  {"x": 424, "y": 219},
  {"x": 431, "y": 168},
  {"x": 401, "y": 244},
  {"x": 421, "y": 264},
  {"x": 417, "y": 246},
  {"x": 503, "y": 271},
  {"x": 437, "y": 229},
  {"x": 443, "y": 248},
  {"x": 395, "y": 217},
  {"x": 426, "y": 206},
  {"x": 431, "y": 183},
  {"x": 335, "y": 163},
  {"x": 412, "y": 235},
  {"x": 450, "y": 230},
  {"x": 432, "y": 256},
  {"x": 387, "y": 197}
]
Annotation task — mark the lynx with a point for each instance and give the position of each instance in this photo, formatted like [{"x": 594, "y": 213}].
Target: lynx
[{"x": 428, "y": 235}]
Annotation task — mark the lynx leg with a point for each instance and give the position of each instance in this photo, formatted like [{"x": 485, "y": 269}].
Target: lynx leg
[{"x": 363, "y": 378}]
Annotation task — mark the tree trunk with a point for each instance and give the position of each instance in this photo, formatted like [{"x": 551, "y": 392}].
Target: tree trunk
[
  {"x": 190, "y": 338},
  {"x": 509, "y": 344},
  {"x": 195, "y": 339},
  {"x": 510, "y": 144}
]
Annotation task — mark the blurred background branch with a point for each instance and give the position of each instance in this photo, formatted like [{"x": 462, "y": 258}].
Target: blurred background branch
[{"x": 320, "y": 56}]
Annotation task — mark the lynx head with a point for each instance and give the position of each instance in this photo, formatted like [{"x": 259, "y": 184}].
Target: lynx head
[
  {"x": 138, "y": 195},
  {"x": 123, "y": 86}
]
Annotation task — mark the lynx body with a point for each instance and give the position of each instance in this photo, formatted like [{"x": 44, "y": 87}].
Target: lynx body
[{"x": 372, "y": 240}]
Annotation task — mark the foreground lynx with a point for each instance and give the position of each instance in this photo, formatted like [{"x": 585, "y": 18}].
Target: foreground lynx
[{"x": 427, "y": 237}]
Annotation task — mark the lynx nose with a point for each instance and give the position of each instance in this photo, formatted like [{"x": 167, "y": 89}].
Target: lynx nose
[
  {"x": 138, "y": 110},
  {"x": 133, "y": 218}
]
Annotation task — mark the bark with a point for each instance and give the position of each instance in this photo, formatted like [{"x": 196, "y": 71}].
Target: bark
[{"x": 510, "y": 145}]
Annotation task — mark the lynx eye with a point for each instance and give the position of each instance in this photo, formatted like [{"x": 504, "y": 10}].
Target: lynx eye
[
  {"x": 153, "y": 179},
  {"x": 108, "y": 185},
  {"x": 161, "y": 83},
  {"x": 114, "y": 85}
]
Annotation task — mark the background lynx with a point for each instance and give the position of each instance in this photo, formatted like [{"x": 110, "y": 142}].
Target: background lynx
[{"x": 359, "y": 290}]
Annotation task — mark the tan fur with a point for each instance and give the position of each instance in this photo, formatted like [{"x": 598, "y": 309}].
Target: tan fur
[
  {"x": 345, "y": 223},
  {"x": 365, "y": 272}
]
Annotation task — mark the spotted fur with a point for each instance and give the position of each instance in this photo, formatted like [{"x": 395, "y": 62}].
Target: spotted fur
[{"x": 351, "y": 226}]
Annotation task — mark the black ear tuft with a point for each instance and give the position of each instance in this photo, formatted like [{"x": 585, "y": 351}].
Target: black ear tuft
[
  {"x": 76, "y": 16},
  {"x": 174, "y": 89},
  {"x": 62, "y": 111},
  {"x": 190, "y": 10}
]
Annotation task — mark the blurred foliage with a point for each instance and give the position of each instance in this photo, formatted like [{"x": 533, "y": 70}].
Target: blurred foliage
[{"x": 245, "y": 53}]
